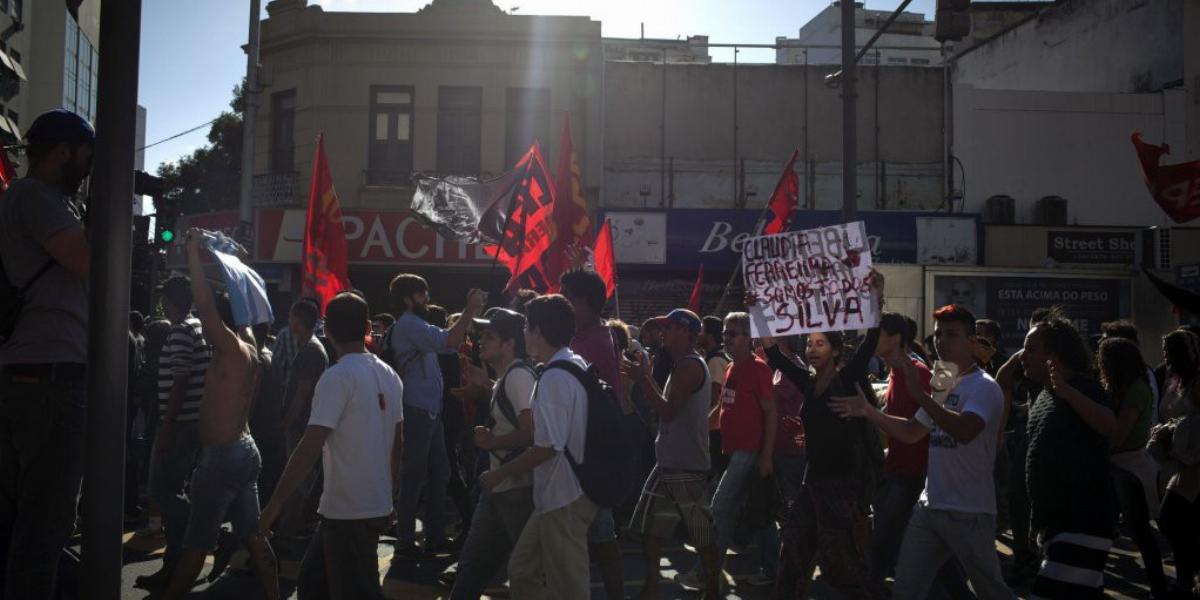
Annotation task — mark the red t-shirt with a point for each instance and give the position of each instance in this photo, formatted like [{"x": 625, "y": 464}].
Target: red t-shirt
[
  {"x": 597, "y": 346},
  {"x": 906, "y": 460},
  {"x": 746, "y": 384}
]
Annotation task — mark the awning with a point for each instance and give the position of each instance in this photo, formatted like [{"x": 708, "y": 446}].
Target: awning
[{"x": 15, "y": 67}]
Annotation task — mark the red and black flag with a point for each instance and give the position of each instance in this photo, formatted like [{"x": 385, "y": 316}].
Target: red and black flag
[{"x": 522, "y": 226}]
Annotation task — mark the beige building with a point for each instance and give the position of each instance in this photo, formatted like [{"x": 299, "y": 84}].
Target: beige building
[
  {"x": 459, "y": 87},
  {"x": 49, "y": 60}
]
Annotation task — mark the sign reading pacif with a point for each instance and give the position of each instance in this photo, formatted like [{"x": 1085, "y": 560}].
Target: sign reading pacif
[{"x": 811, "y": 280}]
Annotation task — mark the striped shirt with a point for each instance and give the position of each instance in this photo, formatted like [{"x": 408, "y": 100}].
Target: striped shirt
[{"x": 185, "y": 353}]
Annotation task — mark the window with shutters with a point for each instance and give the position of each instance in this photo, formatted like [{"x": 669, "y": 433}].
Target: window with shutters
[
  {"x": 283, "y": 131},
  {"x": 459, "y": 130},
  {"x": 390, "y": 143}
]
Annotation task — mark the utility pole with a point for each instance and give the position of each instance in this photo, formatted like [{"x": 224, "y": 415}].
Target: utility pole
[
  {"x": 849, "y": 117},
  {"x": 250, "y": 114},
  {"x": 108, "y": 310}
]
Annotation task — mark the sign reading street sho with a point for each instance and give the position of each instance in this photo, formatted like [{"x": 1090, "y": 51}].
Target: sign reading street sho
[{"x": 811, "y": 280}]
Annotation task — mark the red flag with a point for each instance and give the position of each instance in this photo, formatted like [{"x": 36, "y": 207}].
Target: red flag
[
  {"x": 7, "y": 171},
  {"x": 697, "y": 289},
  {"x": 1176, "y": 188},
  {"x": 526, "y": 235},
  {"x": 572, "y": 224},
  {"x": 324, "y": 261},
  {"x": 603, "y": 259},
  {"x": 784, "y": 200}
]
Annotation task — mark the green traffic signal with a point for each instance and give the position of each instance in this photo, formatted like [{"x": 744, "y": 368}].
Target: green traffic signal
[{"x": 167, "y": 235}]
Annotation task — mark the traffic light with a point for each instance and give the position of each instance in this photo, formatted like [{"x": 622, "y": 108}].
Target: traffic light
[
  {"x": 952, "y": 21},
  {"x": 166, "y": 213}
]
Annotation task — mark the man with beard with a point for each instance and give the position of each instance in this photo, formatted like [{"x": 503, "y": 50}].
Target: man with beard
[
  {"x": 413, "y": 345},
  {"x": 42, "y": 395}
]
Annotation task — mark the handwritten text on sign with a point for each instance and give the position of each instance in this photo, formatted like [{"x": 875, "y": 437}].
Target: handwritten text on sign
[{"x": 812, "y": 280}]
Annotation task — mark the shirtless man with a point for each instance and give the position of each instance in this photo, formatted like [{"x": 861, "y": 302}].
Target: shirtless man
[{"x": 224, "y": 483}]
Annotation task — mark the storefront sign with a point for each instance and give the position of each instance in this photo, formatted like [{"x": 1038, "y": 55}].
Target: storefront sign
[
  {"x": 716, "y": 237},
  {"x": 1010, "y": 300},
  {"x": 372, "y": 237},
  {"x": 1188, "y": 277},
  {"x": 1092, "y": 247},
  {"x": 813, "y": 280}
]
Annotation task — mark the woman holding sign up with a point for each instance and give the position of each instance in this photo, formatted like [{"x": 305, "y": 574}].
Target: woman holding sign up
[{"x": 827, "y": 524}]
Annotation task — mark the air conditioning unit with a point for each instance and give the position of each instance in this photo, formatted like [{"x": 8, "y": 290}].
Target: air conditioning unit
[
  {"x": 1001, "y": 210},
  {"x": 1051, "y": 210}
]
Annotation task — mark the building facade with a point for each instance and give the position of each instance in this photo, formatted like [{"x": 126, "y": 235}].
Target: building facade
[
  {"x": 49, "y": 60},
  {"x": 692, "y": 50},
  {"x": 907, "y": 42},
  {"x": 682, "y": 155}
]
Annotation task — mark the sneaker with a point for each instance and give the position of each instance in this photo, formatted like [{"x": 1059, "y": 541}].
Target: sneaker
[
  {"x": 690, "y": 581},
  {"x": 760, "y": 579},
  {"x": 447, "y": 577}
]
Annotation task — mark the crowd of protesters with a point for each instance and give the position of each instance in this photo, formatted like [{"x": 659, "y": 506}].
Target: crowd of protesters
[{"x": 891, "y": 464}]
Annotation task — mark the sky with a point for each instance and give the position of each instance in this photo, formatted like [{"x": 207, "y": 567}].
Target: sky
[{"x": 191, "y": 52}]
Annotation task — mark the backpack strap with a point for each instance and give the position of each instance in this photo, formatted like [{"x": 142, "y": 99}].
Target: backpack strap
[
  {"x": 504, "y": 403},
  {"x": 582, "y": 376}
]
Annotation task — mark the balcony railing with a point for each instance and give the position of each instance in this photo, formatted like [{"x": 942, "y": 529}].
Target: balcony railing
[{"x": 276, "y": 190}]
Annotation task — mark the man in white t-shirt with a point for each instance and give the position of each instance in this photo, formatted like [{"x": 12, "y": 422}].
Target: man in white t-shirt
[
  {"x": 501, "y": 514},
  {"x": 550, "y": 559},
  {"x": 956, "y": 514},
  {"x": 356, "y": 429}
]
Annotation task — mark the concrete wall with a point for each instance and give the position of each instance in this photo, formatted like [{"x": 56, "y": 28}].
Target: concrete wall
[
  {"x": 1028, "y": 145},
  {"x": 779, "y": 107},
  {"x": 1085, "y": 46},
  {"x": 332, "y": 60}
]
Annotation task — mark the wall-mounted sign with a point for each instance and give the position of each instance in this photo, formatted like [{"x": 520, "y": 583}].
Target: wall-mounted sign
[{"x": 1092, "y": 247}]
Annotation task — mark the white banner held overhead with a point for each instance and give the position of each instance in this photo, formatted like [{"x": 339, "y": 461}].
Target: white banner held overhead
[{"x": 811, "y": 280}]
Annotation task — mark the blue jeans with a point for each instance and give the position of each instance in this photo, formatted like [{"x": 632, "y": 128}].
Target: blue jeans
[
  {"x": 731, "y": 491},
  {"x": 41, "y": 468},
  {"x": 495, "y": 528},
  {"x": 933, "y": 538},
  {"x": 168, "y": 477},
  {"x": 224, "y": 486},
  {"x": 426, "y": 468}
]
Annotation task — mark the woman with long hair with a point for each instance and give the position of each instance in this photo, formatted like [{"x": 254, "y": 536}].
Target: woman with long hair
[
  {"x": 827, "y": 523},
  {"x": 1180, "y": 440},
  {"x": 1134, "y": 472}
]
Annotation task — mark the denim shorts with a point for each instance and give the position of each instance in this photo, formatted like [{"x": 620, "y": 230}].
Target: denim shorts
[{"x": 224, "y": 487}]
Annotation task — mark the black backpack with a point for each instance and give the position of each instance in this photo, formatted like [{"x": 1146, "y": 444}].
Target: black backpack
[
  {"x": 607, "y": 473},
  {"x": 12, "y": 299}
]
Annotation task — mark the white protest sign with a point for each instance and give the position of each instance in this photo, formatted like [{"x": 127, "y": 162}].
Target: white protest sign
[{"x": 811, "y": 280}]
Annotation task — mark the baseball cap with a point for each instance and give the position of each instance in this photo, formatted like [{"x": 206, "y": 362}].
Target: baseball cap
[
  {"x": 509, "y": 324},
  {"x": 58, "y": 126},
  {"x": 683, "y": 317}
]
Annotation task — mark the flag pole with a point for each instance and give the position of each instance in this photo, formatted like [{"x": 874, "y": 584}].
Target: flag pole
[
  {"x": 512, "y": 200},
  {"x": 758, "y": 224}
]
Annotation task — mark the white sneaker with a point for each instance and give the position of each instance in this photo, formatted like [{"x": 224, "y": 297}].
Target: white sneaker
[{"x": 692, "y": 581}]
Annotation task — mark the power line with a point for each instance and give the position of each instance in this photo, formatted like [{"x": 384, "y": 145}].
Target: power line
[{"x": 202, "y": 125}]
